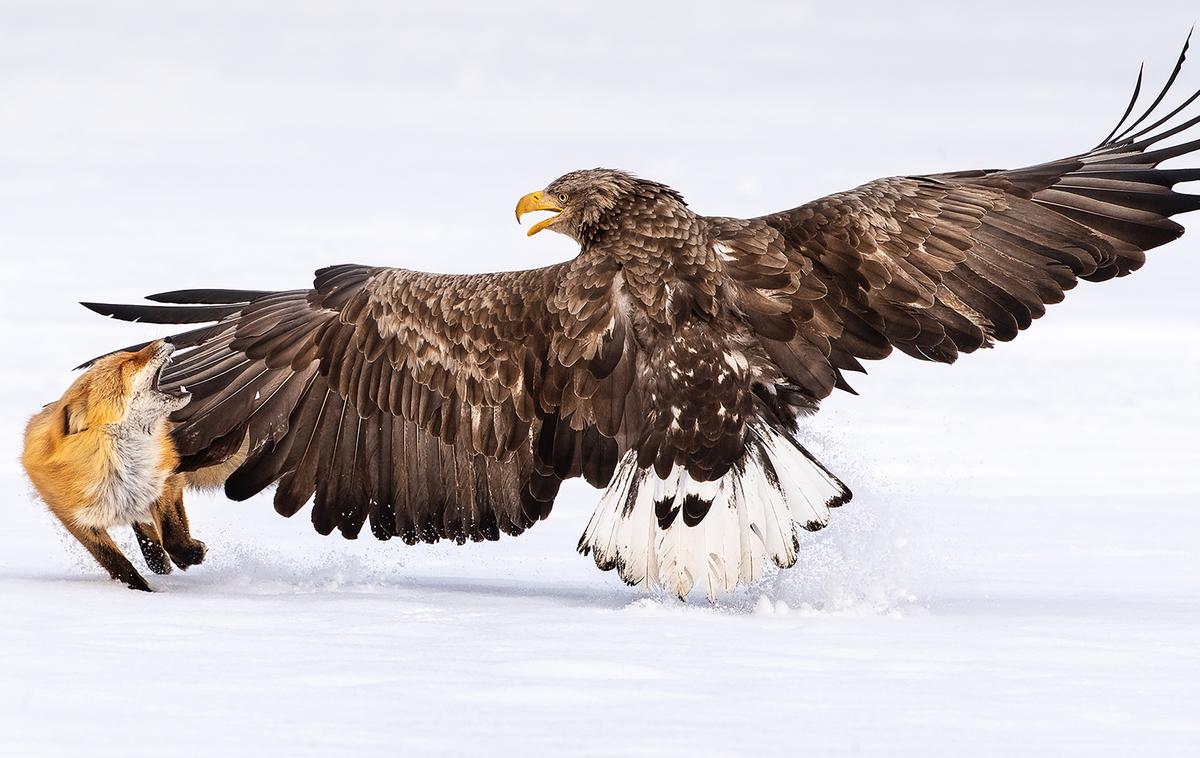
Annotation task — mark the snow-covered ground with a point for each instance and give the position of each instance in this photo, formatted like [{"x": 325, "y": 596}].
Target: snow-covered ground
[{"x": 1018, "y": 572}]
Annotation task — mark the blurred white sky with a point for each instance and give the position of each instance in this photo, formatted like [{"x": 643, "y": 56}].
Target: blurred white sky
[{"x": 149, "y": 146}]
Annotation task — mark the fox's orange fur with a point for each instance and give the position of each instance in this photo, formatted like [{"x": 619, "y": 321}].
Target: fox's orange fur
[{"x": 102, "y": 456}]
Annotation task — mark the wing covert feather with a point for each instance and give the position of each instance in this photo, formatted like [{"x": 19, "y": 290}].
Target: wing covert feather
[
  {"x": 940, "y": 265},
  {"x": 412, "y": 401}
]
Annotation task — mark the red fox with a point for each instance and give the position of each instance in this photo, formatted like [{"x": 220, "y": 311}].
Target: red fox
[{"x": 102, "y": 456}]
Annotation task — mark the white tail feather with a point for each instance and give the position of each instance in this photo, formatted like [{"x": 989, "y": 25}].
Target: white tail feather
[{"x": 756, "y": 510}]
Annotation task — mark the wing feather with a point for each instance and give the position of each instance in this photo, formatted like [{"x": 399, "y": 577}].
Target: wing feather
[
  {"x": 408, "y": 400},
  {"x": 941, "y": 265}
]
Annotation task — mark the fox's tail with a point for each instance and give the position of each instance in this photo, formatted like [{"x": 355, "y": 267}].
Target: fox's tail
[{"x": 647, "y": 529}]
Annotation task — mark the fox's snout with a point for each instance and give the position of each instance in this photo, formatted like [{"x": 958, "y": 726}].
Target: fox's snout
[{"x": 157, "y": 350}]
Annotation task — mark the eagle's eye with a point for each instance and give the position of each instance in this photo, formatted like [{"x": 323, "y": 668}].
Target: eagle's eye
[{"x": 562, "y": 197}]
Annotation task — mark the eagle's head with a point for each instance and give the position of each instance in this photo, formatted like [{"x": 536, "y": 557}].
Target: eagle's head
[{"x": 585, "y": 201}]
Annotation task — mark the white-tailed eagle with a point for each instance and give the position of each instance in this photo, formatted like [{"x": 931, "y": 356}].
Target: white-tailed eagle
[{"x": 669, "y": 361}]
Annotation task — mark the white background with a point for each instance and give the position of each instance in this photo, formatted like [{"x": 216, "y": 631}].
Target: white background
[{"x": 1019, "y": 568}]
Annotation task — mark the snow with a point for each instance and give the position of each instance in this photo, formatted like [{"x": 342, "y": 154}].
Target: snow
[{"x": 1018, "y": 571}]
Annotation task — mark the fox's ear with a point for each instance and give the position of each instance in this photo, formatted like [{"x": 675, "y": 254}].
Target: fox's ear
[{"x": 74, "y": 417}]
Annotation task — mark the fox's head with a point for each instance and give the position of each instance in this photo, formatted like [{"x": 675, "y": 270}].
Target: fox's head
[{"x": 123, "y": 389}]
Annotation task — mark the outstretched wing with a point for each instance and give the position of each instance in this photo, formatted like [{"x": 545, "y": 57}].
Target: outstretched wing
[
  {"x": 946, "y": 264},
  {"x": 434, "y": 406}
]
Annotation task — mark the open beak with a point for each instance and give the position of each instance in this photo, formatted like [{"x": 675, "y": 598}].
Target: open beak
[
  {"x": 534, "y": 201},
  {"x": 162, "y": 351}
]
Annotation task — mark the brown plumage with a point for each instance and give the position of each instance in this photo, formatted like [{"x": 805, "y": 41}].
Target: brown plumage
[{"x": 676, "y": 349}]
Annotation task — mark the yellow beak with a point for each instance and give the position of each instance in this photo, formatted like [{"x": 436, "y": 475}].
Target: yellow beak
[{"x": 534, "y": 201}]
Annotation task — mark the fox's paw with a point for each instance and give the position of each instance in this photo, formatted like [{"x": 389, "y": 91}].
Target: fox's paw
[
  {"x": 156, "y": 559},
  {"x": 136, "y": 582},
  {"x": 189, "y": 554}
]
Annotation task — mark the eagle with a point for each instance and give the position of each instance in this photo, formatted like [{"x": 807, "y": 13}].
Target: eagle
[{"x": 669, "y": 362}]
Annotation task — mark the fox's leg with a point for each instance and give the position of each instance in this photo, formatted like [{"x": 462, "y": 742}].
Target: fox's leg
[
  {"x": 149, "y": 536},
  {"x": 108, "y": 555},
  {"x": 177, "y": 536}
]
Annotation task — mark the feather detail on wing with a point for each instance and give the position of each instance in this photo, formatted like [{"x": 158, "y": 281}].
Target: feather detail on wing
[
  {"x": 945, "y": 264},
  {"x": 432, "y": 406}
]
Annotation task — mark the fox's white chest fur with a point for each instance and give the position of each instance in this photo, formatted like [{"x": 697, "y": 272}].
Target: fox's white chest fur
[{"x": 133, "y": 478}]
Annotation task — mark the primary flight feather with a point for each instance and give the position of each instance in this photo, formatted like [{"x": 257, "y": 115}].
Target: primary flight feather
[{"x": 668, "y": 361}]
